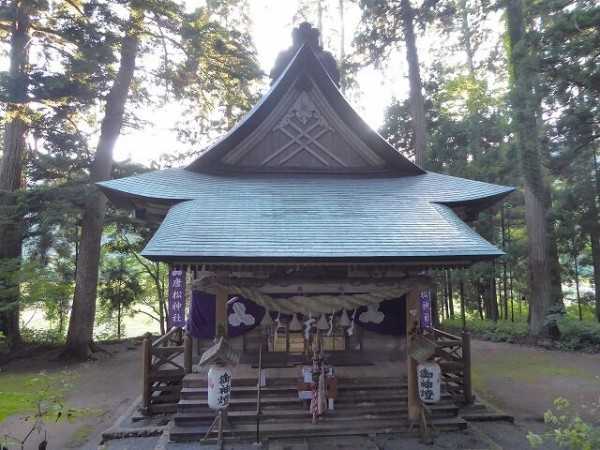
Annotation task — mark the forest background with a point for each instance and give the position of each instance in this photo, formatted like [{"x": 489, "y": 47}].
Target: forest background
[{"x": 503, "y": 91}]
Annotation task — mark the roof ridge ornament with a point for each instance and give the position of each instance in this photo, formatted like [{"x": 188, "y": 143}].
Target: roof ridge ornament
[{"x": 305, "y": 33}]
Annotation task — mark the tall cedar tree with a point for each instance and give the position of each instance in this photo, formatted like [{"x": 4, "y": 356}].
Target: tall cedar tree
[
  {"x": 523, "y": 98},
  {"x": 569, "y": 39},
  {"x": 81, "y": 324},
  {"x": 11, "y": 168},
  {"x": 384, "y": 24}
]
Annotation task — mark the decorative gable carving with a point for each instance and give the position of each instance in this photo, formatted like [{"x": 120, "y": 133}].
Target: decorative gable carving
[
  {"x": 304, "y": 128},
  {"x": 303, "y": 133}
]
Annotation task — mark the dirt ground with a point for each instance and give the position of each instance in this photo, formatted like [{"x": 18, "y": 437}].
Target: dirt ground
[
  {"x": 525, "y": 380},
  {"x": 521, "y": 380},
  {"x": 107, "y": 387}
]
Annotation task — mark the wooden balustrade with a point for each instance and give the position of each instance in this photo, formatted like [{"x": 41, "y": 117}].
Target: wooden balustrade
[
  {"x": 166, "y": 361},
  {"x": 453, "y": 354}
]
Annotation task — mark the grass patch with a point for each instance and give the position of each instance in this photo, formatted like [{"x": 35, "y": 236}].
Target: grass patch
[
  {"x": 17, "y": 394},
  {"x": 533, "y": 370}
]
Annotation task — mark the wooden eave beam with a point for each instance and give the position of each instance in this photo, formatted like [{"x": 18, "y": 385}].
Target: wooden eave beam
[{"x": 320, "y": 286}]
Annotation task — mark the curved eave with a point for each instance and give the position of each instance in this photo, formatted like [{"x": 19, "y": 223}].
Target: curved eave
[
  {"x": 468, "y": 210},
  {"x": 405, "y": 262},
  {"x": 305, "y": 62},
  {"x": 154, "y": 209}
]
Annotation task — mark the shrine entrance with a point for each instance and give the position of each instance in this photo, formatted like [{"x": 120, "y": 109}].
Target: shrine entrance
[{"x": 294, "y": 342}]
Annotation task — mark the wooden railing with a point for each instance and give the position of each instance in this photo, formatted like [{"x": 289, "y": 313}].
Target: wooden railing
[
  {"x": 166, "y": 361},
  {"x": 453, "y": 354}
]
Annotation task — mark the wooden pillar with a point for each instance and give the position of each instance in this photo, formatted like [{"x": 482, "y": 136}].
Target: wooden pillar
[
  {"x": 412, "y": 325},
  {"x": 187, "y": 353},
  {"x": 466, "y": 354},
  {"x": 147, "y": 367},
  {"x": 221, "y": 311}
]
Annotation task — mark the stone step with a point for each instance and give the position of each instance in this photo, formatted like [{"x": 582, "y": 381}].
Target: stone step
[
  {"x": 298, "y": 414},
  {"x": 283, "y": 415},
  {"x": 240, "y": 391},
  {"x": 199, "y": 380},
  {"x": 324, "y": 427}
]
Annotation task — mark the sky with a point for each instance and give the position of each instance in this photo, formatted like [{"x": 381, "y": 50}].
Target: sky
[{"x": 273, "y": 22}]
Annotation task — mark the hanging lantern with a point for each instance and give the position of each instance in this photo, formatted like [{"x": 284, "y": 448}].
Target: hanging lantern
[
  {"x": 344, "y": 319},
  {"x": 429, "y": 377},
  {"x": 322, "y": 323},
  {"x": 219, "y": 387},
  {"x": 295, "y": 324}
]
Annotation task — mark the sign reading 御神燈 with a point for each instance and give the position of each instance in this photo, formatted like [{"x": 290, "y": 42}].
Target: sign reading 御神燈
[{"x": 176, "y": 297}]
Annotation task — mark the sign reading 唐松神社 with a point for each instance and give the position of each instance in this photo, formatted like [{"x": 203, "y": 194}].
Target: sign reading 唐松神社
[{"x": 176, "y": 297}]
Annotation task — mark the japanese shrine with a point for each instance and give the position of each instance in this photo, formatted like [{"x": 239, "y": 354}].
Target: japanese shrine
[{"x": 304, "y": 239}]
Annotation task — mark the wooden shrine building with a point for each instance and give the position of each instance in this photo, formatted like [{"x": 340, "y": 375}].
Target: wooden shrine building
[{"x": 302, "y": 216}]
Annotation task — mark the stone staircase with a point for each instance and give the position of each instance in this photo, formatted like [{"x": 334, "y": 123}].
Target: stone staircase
[{"x": 363, "y": 406}]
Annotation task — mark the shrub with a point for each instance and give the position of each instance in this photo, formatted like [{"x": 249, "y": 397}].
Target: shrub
[
  {"x": 576, "y": 334},
  {"x": 45, "y": 337},
  {"x": 570, "y": 431},
  {"x": 501, "y": 331}
]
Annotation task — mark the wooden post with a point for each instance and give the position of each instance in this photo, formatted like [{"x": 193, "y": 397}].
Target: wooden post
[
  {"x": 147, "y": 362},
  {"x": 466, "y": 354},
  {"x": 412, "y": 325},
  {"x": 221, "y": 311},
  {"x": 187, "y": 353}
]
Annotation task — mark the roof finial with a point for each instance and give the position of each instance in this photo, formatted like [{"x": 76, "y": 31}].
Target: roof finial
[{"x": 305, "y": 33}]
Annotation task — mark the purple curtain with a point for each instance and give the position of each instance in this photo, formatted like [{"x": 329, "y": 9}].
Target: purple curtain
[
  {"x": 242, "y": 314},
  {"x": 391, "y": 312},
  {"x": 388, "y": 317}
]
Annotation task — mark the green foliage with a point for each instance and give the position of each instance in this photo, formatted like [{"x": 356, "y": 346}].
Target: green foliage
[
  {"x": 38, "y": 397},
  {"x": 570, "y": 431},
  {"x": 588, "y": 310},
  {"x": 576, "y": 334},
  {"x": 119, "y": 287},
  {"x": 500, "y": 331},
  {"x": 51, "y": 337}
]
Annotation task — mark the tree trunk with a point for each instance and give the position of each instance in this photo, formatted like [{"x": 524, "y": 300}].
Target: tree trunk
[
  {"x": 595, "y": 232},
  {"x": 11, "y": 169},
  {"x": 525, "y": 128},
  {"x": 463, "y": 302},
  {"x": 343, "y": 80},
  {"x": 81, "y": 324},
  {"x": 417, "y": 103},
  {"x": 450, "y": 294},
  {"x": 466, "y": 36},
  {"x": 595, "y": 238}
]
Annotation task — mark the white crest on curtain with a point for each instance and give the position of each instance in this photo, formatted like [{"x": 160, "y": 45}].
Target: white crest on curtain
[
  {"x": 372, "y": 314},
  {"x": 239, "y": 316}
]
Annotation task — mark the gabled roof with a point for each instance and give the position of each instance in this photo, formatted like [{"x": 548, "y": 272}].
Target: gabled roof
[
  {"x": 303, "y": 178},
  {"x": 299, "y": 218},
  {"x": 303, "y": 124}
]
